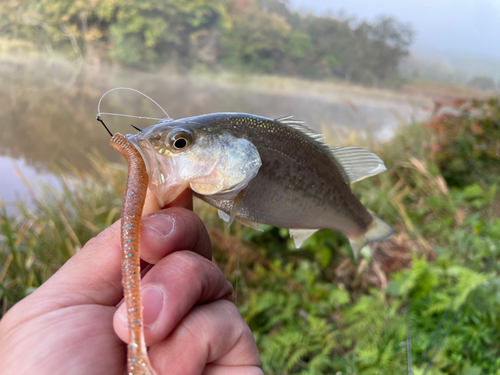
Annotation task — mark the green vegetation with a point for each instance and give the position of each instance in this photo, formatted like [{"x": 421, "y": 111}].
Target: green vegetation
[
  {"x": 314, "y": 310},
  {"x": 262, "y": 36},
  {"x": 468, "y": 141}
]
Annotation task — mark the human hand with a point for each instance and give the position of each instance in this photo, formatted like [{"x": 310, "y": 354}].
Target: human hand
[{"x": 72, "y": 325}]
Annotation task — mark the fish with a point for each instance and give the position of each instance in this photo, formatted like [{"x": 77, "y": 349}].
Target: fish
[{"x": 258, "y": 170}]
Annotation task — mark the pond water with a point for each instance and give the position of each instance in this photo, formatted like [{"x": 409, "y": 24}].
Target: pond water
[{"x": 48, "y": 109}]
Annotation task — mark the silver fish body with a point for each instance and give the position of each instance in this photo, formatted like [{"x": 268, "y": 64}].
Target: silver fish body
[{"x": 298, "y": 182}]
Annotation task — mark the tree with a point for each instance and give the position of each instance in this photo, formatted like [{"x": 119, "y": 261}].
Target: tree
[
  {"x": 388, "y": 42},
  {"x": 166, "y": 30},
  {"x": 257, "y": 40},
  {"x": 134, "y": 32},
  {"x": 331, "y": 45},
  {"x": 253, "y": 35},
  {"x": 482, "y": 83}
]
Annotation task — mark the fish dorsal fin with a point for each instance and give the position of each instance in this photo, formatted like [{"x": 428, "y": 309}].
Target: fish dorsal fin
[
  {"x": 299, "y": 125},
  {"x": 358, "y": 163}
]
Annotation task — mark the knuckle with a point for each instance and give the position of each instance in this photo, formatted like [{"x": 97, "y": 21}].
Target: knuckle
[
  {"x": 187, "y": 262},
  {"x": 184, "y": 214},
  {"x": 233, "y": 312},
  {"x": 203, "y": 275},
  {"x": 107, "y": 236},
  {"x": 190, "y": 219}
]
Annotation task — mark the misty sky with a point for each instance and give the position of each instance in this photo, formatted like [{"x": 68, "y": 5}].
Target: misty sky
[{"x": 464, "y": 27}]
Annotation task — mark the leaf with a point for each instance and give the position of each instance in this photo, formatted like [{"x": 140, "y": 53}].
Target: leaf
[
  {"x": 339, "y": 297},
  {"x": 474, "y": 191}
]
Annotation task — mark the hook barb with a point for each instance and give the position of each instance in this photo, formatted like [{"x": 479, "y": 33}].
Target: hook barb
[{"x": 136, "y": 128}]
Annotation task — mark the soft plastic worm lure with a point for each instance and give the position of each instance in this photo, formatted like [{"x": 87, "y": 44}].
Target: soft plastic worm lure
[
  {"x": 135, "y": 195},
  {"x": 133, "y": 202}
]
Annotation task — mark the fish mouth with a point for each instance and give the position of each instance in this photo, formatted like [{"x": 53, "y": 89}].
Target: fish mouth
[
  {"x": 133, "y": 139},
  {"x": 147, "y": 155}
]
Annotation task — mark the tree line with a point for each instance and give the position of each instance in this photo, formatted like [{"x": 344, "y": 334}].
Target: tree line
[{"x": 263, "y": 36}]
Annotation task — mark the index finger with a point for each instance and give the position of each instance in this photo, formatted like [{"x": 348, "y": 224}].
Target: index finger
[
  {"x": 93, "y": 275},
  {"x": 184, "y": 200}
]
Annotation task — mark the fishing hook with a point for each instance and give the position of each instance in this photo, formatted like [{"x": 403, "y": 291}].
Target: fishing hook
[{"x": 98, "y": 118}]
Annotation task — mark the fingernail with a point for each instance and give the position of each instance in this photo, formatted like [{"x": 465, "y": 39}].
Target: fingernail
[
  {"x": 158, "y": 223},
  {"x": 152, "y": 300},
  {"x": 122, "y": 311}
]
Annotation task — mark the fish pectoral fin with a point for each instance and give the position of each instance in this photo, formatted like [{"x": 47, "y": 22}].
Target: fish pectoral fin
[
  {"x": 244, "y": 222},
  {"x": 357, "y": 162},
  {"x": 300, "y": 235},
  {"x": 230, "y": 218},
  {"x": 378, "y": 230}
]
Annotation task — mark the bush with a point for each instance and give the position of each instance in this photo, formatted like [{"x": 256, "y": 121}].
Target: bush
[{"x": 467, "y": 140}]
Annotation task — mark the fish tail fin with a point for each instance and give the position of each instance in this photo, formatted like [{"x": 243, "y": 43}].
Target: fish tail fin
[{"x": 378, "y": 230}]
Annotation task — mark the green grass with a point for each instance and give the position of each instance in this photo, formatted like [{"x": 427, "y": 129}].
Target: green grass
[{"x": 314, "y": 310}]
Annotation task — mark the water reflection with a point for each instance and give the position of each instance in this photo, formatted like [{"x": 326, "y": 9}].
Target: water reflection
[
  {"x": 13, "y": 188},
  {"x": 48, "y": 112}
]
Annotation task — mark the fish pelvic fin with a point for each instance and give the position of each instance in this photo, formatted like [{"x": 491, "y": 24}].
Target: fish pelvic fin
[
  {"x": 249, "y": 224},
  {"x": 240, "y": 220},
  {"x": 378, "y": 230},
  {"x": 300, "y": 235},
  {"x": 224, "y": 216}
]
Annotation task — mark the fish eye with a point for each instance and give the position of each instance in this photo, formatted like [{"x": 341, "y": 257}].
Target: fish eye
[
  {"x": 180, "y": 143},
  {"x": 180, "y": 140}
]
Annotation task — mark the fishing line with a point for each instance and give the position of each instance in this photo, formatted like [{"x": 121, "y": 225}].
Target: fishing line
[
  {"x": 99, "y": 113},
  {"x": 438, "y": 330},
  {"x": 408, "y": 337},
  {"x": 448, "y": 330}
]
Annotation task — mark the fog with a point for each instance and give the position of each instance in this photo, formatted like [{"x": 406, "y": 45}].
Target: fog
[{"x": 445, "y": 27}]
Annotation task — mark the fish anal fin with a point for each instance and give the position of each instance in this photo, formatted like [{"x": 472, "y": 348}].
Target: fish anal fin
[
  {"x": 300, "y": 235},
  {"x": 378, "y": 230},
  {"x": 357, "y": 163}
]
